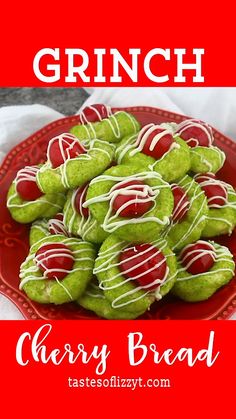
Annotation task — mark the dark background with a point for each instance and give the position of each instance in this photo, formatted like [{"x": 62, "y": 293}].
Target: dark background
[{"x": 64, "y": 100}]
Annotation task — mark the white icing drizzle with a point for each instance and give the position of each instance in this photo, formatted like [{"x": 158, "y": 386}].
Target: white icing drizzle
[
  {"x": 81, "y": 157},
  {"x": 27, "y": 174},
  {"x": 41, "y": 225},
  {"x": 199, "y": 253},
  {"x": 171, "y": 126},
  {"x": 112, "y": 221},
  {"x": 112, "y": 123},
  {"x": 63, "y": 139},
  {"x": 194, "y": 123},
  {"x": 134, "y": 146},
  {"x": 205, "y": 180},
  {"x": 94, "y": 291},
  {"x": 181, "y": 205},
  {"x": 57, "y": 225},
  {"x": 111, "y": 254},
  {"x": 41, "y": 200},
  {"x": 85, "y": 224},
  {"x": 218, "y": 253},
  {"x": 125, "y": 147},
  {"x": 56, "y": 252},
  {"x": 198, "y": 218},
  {"x": 84, "y": 119},
  {"x": 208, "y": 181},
  {"x": 223, "y": 220},
  {"x": 88, "y": 133},
  {"x": 27, "y": 275},
  {"x": 205, "y": 161}
]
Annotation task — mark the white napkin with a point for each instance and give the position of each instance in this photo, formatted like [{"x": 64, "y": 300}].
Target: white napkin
[{"x": 216, "y": 106}]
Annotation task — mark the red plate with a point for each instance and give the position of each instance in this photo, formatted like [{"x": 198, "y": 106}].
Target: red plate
[{"x": 14, "y": 237}]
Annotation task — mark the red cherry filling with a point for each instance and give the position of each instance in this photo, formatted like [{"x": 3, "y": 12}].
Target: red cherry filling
[
  {"x": 62, "y": 148},
  {"x": 133, "y": 199},
  {"x": 181, "y": 203},
  {"x": 155, "y": 141},
  {"x": 145, "y": 264},
  {"x": 80, "y": 198},
  {"x": 95, "y": 113},
  {"x": 198, "y": 257},
  {"x": 56, "y": 225},
  {"x": 55, "y": 260},
  {"x": 26, "y": 185},
  {"x": 195, "y": 133},
  {"x": 215, "y": 191}
]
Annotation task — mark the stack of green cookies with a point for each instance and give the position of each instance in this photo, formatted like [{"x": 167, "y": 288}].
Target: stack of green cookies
[{"x": 120, "y": 215}]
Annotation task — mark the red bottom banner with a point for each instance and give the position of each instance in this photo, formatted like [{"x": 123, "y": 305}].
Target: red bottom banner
[{"x": 117, "y": 368}]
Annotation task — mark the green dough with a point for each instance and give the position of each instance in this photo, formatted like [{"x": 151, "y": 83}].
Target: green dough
[
  {"x": 38, "y": 231},
  {"x": 94, "y": 299},
  {"x": 222, "y": 220},
  {"x": 206, "y": 159},
  {"x": 72, "y": 286},
  {"x": 189, "y": 229},
  {"x": 27, "y": 211},
  {"x": 111, "y": 129},
  {"x": 87, "y": 228},
  {"x": 200, "y": 287},
  {"x": 122, "y": 293},
  {"x": 139, "y": 229},
  {"x": 173, "y": 165},
  {"x": 78, "y": 171}
]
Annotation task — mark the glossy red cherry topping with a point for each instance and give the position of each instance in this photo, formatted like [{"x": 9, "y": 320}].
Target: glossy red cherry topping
[
  {"x": 145, "y": 264},
  {"x": 198, "y": 257},
  {"x": 57, "y": 226},
  {"x": 26, "y": 185},
  {"x": 133, "y": 198},
  {"x": 95, "y": 113},
  {"x": 214, "y": 189},
  {"x": 64, "y": 147},
  {"x": 195, "y": 133},
  {"x": 155, "y": 141},
  {"x": 55, "y": 260},
  {"x": 80, "y": 198},
  {"x": 181, "y": 203}
]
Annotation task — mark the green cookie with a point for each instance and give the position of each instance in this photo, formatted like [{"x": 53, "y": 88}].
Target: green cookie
[
  {"x": 111, "y": 129},
  {"x": 38, "y": 231},
  {"x": 78, "y": 171},
  {"x": 171, "y": 166},
  {"x": 206, "y": 159},
  {"x": 200, "y": 287},
  {"x": 101, "y": 194},
  {"x": 124, "y": 293},
  {"x": 43, "y": 290},
  {"x": 94, "y": 299},
  {"x": 27, "y": 211},
  {"x": 78, "y": 225},
  {"x": 222, "y": 220},
  {"x": 44, "y": 228},
  {"x": 189, "y": 229}
]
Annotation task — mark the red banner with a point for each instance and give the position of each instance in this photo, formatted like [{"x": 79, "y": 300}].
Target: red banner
[
  {"x": 170, "y": 46},
  {"x": 154, "y": 366}
]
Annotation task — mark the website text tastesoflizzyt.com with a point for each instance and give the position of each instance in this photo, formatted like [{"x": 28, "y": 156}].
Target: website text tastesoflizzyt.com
[{"x": 116, "y": 381}]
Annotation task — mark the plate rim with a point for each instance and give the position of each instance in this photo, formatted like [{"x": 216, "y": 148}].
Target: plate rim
[{"x": 19, "y": 299}]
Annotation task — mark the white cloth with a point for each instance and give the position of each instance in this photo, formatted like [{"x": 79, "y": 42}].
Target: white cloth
[{"x": 216, "y": 106}]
